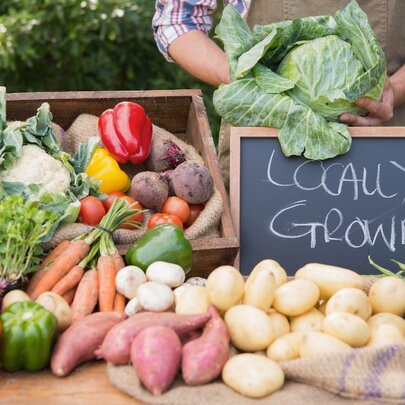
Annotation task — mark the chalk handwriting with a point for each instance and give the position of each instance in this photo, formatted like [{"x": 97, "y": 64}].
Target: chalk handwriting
[
  {"x": 356, "y": 232},
  {"x": 334, "y": 178}
]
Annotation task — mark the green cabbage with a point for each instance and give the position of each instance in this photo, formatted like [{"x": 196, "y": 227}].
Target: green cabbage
[{"x": 299, "y": 76}]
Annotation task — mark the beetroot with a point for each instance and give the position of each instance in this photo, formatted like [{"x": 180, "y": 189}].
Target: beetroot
[
  {"x": 150, "y": 189},
  {"x": 192, "y": 182},
  {"x": 164, "y": 156},
  {"x": 167, "y": 176}
]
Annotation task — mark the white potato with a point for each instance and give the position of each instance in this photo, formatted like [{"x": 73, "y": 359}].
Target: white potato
[
  {"x": 308, "y": 321},
  {"x": 280, "y": 323},
  {"x": 170, "y": 274},
  {"x": 58, "y": 306},
  {"x": 179, "y": 290},
  {"x": 285, "y": 347},
  {"x": 250, "y": 328},
  {"x": 260, "y": 291},
  {"x": 225, "y": 287},
  {"x": 386, "y": 317},
  {"x": 328, "y": 278},
  {"x": 193, "y": 300},
  {"x": 155, "y": 297},
  {"x": 322, "y": 306},
  {"x": 14, "y": 296},
  {"x": 351, "y": 300},
  {"x": 197, "y": 281},
  {"x": 347, "y": 327},
  {"x": 318, "y": 343},
  {"x": 128, "y": 279},
  {"x": 133, "y": 307},
  {"x": 271, "y": 266},
  {"x": 253, "y": 375},
  {"x": 296, "y": 297},
  {"x": 385, "y": 334},
  {"x": 388, "y": 295}
]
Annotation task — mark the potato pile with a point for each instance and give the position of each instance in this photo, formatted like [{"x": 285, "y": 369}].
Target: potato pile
[{"x": 323, "y": 309}]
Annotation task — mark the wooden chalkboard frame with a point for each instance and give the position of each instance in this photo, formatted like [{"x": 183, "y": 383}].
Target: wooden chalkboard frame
[{"x": 238, "y": 133}]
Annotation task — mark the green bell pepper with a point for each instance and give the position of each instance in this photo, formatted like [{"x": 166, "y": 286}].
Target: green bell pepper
[
  {"x": 27, "y": 337},
  {"x": 164, "y": 242}
]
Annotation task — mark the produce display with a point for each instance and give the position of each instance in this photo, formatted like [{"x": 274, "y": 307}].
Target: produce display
[{"x": 84, "y": 300}]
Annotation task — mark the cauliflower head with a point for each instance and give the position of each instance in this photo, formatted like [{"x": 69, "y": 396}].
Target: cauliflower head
[{"x": 35, "y": 166}]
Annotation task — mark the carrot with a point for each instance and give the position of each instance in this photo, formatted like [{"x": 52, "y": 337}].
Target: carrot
[
  {"x": 69, "y": 281},
  {"x": 118, "y": 261},
  {"x": 106, "y": 283},
  {"x": 119, "y": 302},
  {"x": 68, "y": 296},
  {"x": 43, "y": 267},
  {"x": 86, "y": 295},
  {"x": 68, "y": 258}
]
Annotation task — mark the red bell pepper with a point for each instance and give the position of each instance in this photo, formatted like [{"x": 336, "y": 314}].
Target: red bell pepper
[{"x": 126, "y": 132}]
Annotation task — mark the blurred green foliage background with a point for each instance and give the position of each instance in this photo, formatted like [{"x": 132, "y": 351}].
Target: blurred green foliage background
[{"x": 72, "y": 45}]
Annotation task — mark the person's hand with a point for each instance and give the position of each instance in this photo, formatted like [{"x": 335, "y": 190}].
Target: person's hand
[{"x": 378, "y": 111}]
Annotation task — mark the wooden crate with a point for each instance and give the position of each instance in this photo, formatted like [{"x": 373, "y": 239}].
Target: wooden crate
[{"x": 180, "y": 112}]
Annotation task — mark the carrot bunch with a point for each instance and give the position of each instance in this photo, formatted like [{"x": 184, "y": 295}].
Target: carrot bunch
[{"x": 65, "y": 270}]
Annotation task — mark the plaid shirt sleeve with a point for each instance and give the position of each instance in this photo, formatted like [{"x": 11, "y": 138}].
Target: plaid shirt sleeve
[{"x": 175, "y": 17}]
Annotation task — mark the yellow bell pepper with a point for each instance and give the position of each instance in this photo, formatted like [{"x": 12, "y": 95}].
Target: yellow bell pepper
[{"x": 103, "y": 167}]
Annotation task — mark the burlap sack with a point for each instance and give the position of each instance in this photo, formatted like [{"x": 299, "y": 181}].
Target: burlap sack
[
  {"x": 206, "y": 224},
  {"x": 362, "y": 376}
]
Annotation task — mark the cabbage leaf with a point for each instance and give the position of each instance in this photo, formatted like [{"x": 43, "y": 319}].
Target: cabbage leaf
[{"x": 299, "y": 76}]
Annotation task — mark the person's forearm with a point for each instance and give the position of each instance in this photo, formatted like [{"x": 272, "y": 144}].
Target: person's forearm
[
  {"x": 398, "y": 83},
  {"x": 201, "y": 57}
]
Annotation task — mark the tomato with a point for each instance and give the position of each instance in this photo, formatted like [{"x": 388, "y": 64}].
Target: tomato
[
  {"x": 137, "y": 217},
  {"x": 176, "y": 206},
  {"x": 161, "y": 218},
  {"x": 108, "y": 202},
  {"x": 91, "y": 210},
  {"x": 195, "y": 211}
]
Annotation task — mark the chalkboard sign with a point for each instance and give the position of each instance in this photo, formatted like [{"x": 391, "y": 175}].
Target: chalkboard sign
[{"x": 338, "y": 211}]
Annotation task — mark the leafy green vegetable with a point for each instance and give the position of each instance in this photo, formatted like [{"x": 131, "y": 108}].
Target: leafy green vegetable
[
  {"x": 299, "y": 76},
  {"x": 23, "y": 227}
]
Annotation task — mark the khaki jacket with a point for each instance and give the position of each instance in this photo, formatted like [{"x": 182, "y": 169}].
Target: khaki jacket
[{"x": 386, "y": 17}]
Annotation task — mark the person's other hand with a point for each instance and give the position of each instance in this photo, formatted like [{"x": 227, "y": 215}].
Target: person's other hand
[{"x": 378, "y": 111}]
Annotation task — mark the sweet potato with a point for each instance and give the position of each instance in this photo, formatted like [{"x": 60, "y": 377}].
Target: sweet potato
[
  {"x": 150, "y": 189},
  {"x": 164, "y": 155},
  {"x": 155, "y": 356},
  {"x": 117, "y": 343},
  {"x": 192, "y": 182},
  {"x": 80, "y": 341},
  {"x": 204, "y": 358}
]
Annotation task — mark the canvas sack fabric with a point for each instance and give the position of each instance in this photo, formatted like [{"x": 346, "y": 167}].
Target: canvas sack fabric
[
  {"x": 361, "y": 376},
  {"x": 206, "y": 225}
]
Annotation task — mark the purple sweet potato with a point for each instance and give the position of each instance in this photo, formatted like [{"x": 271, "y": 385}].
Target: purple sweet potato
[
  {"x": 164, "y": 155},
  {"x": 192, "y": 182},
  {"x": 204, "y": 358},
  {"x": 150, "y": 189},
  {"x": 117, "y": 343},
  {"x": 155, "y": 356},
  {"x": 80, "y": 341}
]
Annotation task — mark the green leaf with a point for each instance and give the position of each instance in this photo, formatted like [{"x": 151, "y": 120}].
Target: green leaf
[
  {"x": 23, "y": 228},
  {"x": 84, "y": 154},
  {"x": 235, "y": 35}
]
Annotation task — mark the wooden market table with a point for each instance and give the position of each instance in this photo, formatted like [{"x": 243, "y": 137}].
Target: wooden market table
[{"x": 87, "y": 385}]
